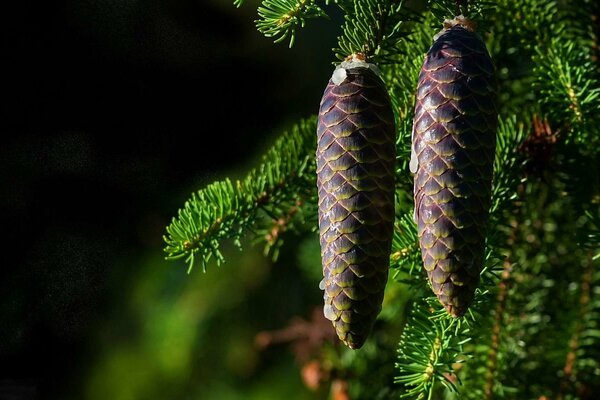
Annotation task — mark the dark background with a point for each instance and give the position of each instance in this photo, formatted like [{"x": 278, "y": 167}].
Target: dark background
[{"x": 115, "y": 111}]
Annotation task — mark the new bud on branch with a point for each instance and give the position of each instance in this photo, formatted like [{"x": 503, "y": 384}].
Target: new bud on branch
[
  {"x": 454, "y": 140},
  {"x": 355, "y": 178}
]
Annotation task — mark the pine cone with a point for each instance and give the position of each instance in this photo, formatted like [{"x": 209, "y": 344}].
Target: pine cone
[
  {"x": 355, "y": 179},
  {"x": 454, "y": 140}
]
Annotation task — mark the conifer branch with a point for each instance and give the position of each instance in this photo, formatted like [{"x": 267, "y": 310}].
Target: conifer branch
[
  {"x": 565, "y": 79},
  {"x": 405, "y": 258},
  {"x": 569, "y": 370},
  {"x": 508, "y": 167},
  {"x": 280, "y": 19},
  {"x": 520, "y": 27},
  {"x": 372, "y": 27},
  {"x": 278, "y": 227},
  {"x": 402, "y": 74},
  {"x": 588, "y": 350},
  {"x": 227, "y": 210},
  {"x": 430, "y": 346},
  {"x": 473, "y": 10},
  {"x": 582, "y": 364}
]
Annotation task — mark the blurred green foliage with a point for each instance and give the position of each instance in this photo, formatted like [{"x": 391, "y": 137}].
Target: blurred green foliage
[{"x": 192, "y": 336}]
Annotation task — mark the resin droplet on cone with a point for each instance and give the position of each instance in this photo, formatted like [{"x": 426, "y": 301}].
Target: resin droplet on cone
[
  {"x": 454, "y": 140},
  {"x": 355, "y": 178}
]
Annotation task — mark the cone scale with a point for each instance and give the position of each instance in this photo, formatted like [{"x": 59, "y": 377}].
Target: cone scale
[
  {"x": 454, "y": 139},
  {"x": 355, "y": 180}
]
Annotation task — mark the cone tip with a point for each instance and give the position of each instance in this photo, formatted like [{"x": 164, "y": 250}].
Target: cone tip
[
  {"x": 353, "y": 344},
  {"x": 351, "y": 340},
  {"x": 454, "y": 311}
]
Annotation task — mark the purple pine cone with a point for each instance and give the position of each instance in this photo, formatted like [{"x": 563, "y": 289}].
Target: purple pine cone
[
  {"x": 355, "y": 179},
  {"x": 454, "y": 140}
]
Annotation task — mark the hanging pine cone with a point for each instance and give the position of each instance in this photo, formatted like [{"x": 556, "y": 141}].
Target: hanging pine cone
[
  {"x": 454, "y": 140},
  {"x": 355, "y": 179}
]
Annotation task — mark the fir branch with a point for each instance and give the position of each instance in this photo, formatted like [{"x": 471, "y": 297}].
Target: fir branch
[
  {"x": 587, "y": 364},
  {"x": 568, "y": 89},
  {"x": 569, "y": 377},
  {"x": 372, "y": 27},
  {"x": 474, "y": 10},
  {"x": 405, "y": 258},
  {"x": 541, "y": 303},
  {"x": 430, "y": 347},
  {"x": 274, "y": 231},
  {"x": 403, "y": 73},
  {"x": 508, "y": 167},
  {"x": 280, "y": 19},
  {"x": 582, "y": 366},
  {"x": 519, "y": 28},
  {"x": 530, "y": 22},
  {"x": 227, "y": 210}
]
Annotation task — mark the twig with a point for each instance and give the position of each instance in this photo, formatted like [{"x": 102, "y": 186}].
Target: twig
[
  {"x": 280, "y": 225},
  {"x": 306, "y": 336},
  {"x": 584, "y": 300},
  {"x": 499, "y": 313}
]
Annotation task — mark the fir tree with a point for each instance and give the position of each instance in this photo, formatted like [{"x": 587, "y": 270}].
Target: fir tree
[{"x": 533, "y": 329}]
